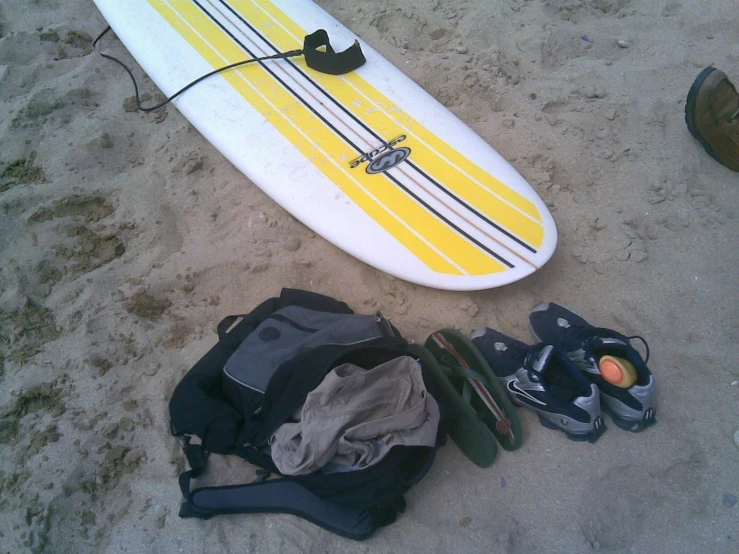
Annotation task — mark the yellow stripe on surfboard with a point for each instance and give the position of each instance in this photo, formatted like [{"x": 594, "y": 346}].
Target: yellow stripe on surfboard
[
  {"x": 484, "y": 192},
  {"x": 433, "y": 242}
]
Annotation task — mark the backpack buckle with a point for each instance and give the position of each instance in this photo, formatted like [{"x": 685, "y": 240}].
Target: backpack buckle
[
  {"x": 197, "y": 456},
  {"x": 172, "y": 429},
  {"x": 262, "y": 476}
]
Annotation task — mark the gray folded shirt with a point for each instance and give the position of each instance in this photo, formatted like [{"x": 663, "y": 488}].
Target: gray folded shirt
[{"x": 355, "y": 416}]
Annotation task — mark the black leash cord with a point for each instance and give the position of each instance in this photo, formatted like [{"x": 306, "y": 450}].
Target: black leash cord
[{"x": 283, "y": 55}]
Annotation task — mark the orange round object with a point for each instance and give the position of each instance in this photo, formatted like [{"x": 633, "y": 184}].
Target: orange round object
[{"x": 617, "y": 371}]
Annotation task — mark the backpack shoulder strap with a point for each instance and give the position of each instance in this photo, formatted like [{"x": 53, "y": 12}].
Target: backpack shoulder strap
[{"x": 283, "y": 496}]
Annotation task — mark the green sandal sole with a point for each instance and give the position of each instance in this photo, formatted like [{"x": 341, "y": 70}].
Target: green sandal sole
[{"x": 488, "y": 398}]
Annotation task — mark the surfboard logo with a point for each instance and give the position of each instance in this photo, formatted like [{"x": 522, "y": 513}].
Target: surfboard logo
[
  {"x": 388, "y": 160},
  {"x": 383, "y": 157}
]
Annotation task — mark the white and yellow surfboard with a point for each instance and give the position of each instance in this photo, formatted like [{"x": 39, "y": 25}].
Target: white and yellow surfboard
[{"x": 368, "y": 160}]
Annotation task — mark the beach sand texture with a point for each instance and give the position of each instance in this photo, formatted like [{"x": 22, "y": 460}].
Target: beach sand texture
[{"x": 125, "y": 238}]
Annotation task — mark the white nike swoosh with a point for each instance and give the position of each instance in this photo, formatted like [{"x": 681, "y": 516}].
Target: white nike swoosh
[{"x": 515, "y": 390}]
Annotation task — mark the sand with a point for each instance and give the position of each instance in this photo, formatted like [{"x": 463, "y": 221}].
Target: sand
[{"x": 125, "y": 238}]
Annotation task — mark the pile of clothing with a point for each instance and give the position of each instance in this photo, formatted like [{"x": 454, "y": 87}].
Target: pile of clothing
[
  {"x": 343, "y": 415},
  {"x": 355, "y": 416}
]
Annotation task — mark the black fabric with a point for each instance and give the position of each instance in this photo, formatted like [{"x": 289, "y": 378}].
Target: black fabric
[
  {"x": 352, "y": 504},
  {"x": 293, "y": 381},
  {"x": 197, "y": 406},
  {"x": 333, "y": 63},
  {"x": 288, "y": 297},
  {"x": 380, "y": 484},
  {"x": 403, "y": 465},
  {"x": 286, "y": 496}
]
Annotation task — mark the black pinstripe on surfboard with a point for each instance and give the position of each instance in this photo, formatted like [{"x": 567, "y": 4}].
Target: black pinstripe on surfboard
[
  {"x": 371, "y": 131},
  {"x": 350, "y": 143}
]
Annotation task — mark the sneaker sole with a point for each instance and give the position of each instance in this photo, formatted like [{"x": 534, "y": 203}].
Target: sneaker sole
[
  {"x": 591, "y": 437},
  {"x": 690, "y": 111},
  {"x": 629, "y": 424}
]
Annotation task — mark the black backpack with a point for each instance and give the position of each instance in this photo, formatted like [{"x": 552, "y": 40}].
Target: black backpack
[{"x": 234, "y": 409}]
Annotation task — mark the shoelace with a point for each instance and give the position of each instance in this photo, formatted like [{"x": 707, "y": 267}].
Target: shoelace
[
  {"x": 586, "y": 334},
  {"x": 531, "y": 354},
  {"x": 518, "y": 353}
]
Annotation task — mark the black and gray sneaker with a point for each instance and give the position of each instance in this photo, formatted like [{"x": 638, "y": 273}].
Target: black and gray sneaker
[
  {"x": 632, "y": 408},
  {"x": 542, "y": 378}
]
